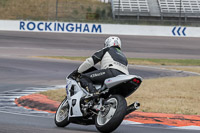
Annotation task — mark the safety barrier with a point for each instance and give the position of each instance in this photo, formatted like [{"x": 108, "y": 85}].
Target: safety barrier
[{"x": 89, "y": 28}]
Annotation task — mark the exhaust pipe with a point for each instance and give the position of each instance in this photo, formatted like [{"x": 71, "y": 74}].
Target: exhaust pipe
[{"x": 134, "y": 106}]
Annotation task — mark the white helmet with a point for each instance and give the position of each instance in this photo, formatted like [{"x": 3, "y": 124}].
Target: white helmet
[{"x": 112, "y": 41}]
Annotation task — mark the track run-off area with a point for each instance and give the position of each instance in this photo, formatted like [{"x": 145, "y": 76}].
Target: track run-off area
[{"x": 21, "y": 73}]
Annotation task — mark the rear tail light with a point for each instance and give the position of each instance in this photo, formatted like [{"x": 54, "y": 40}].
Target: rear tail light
[{"x": 137, "y": 81}]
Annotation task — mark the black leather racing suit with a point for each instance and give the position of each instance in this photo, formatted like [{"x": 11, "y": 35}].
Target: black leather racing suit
[{"x": 113, "y": 63}]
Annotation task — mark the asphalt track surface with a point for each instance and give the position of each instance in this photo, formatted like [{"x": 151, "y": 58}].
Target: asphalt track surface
[{"x": 19, "y": 70}]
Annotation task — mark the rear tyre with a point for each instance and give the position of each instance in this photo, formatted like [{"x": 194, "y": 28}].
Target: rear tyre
[
  {"x": 62, "y": 113},
  {"x": 112, "y": 115}
]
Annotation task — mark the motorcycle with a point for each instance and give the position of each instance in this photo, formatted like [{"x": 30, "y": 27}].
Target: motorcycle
[{"x": 106, "y": 110}]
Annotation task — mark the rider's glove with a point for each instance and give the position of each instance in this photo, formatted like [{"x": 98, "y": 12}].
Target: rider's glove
[{"x": 76, "y": 74}]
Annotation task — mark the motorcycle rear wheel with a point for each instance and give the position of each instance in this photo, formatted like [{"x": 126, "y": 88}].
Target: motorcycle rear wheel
[
  {"x": 111, "y": 117},
  {"x": 61, "y": 116}
]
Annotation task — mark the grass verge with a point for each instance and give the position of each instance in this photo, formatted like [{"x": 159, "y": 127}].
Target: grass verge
[
  {"x": 195, "y": 69},
  {"x": 142, "y": 61},
  {"x": 169, "y": 95},
  {"x": 177, "y": 64},
  {"x": 163, "y": 95}
]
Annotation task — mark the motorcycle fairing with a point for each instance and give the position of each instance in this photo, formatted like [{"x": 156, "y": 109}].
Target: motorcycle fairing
[
  {"x": 74, "y": 95},
  {"x": 111, "y": 82}
]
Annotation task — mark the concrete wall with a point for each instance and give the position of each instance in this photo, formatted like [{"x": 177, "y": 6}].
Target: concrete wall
[{"x": 90, "y": 28}]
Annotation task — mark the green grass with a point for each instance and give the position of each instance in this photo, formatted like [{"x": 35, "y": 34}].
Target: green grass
[
  {"x": 143, "y": 61},
  {"x": 64, "y": 57},
  {"x": 175, "y": 62}
]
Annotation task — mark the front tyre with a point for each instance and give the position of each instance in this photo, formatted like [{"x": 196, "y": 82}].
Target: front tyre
[
  {"x": 62, "y": 113},
  {"x": 112, "y": 114}
]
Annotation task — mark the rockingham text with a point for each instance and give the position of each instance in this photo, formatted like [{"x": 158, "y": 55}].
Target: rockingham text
[{"x": 60, "y": 27}]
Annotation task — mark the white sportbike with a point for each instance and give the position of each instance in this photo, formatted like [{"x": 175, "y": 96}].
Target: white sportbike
[{"x": 106, "y": 110}]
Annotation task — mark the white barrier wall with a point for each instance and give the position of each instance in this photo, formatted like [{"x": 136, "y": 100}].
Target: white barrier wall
[{"x": 89, "y": 28}]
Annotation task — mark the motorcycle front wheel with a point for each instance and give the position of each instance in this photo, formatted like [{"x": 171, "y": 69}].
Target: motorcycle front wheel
[
  {"x": 61, "y": 116},
  {"x": 112, "y": 114}
]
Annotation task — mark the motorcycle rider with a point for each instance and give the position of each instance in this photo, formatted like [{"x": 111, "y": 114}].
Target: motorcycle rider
[{"x": 113, "y": 62}]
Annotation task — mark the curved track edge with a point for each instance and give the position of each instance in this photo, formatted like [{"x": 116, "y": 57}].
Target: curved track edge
[{"x": 41, "y": 102}]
